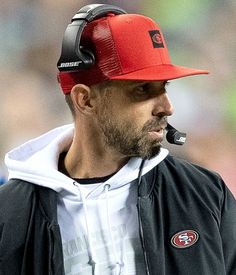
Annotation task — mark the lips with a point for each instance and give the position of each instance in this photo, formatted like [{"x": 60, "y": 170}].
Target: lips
[
  {"x": 155, "y": 129},
  {"x": 157, "y": 134},
  {"x": 161, "y": 127}
]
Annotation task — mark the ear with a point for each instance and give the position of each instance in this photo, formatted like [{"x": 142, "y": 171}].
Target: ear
[{"x": 82, "y": 98}]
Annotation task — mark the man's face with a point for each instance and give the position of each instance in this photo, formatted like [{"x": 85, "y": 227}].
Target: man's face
[{"x": 132, "y": 116}]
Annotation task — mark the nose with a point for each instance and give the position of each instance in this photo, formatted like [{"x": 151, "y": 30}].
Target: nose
[{"x": 162, "y": 106}]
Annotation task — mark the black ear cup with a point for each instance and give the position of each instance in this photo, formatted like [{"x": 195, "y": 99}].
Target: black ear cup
[
  {"x": 73, "y": 56},
  {"x": 88, "y": 56}
]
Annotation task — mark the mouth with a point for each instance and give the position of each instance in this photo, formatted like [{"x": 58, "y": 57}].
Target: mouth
[
  {"x": 157, "y": 130},
  {"x": 157, "y": 134}
]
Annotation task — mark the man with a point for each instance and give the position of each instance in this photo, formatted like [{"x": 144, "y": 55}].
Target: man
[{"x": 102, "y": 196}]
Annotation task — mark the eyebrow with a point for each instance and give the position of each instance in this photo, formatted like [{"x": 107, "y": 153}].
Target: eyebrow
[{"x": 140, "y": 82}]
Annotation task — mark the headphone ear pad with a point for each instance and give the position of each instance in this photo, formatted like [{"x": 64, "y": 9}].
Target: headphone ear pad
[{"x": 88, "y": 56}]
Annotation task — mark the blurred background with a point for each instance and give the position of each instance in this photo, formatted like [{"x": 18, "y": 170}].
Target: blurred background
[{"x": 199, "y": 33}]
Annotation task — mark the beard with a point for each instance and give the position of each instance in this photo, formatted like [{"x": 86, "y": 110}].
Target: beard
[{"x": 127, "y": 138}]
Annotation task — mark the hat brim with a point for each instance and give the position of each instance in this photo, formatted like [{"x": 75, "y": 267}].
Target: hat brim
[{"x": 159, "y": 73}]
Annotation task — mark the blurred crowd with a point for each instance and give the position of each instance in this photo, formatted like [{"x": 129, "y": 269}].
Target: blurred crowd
[{"x": 199, "y": 34}]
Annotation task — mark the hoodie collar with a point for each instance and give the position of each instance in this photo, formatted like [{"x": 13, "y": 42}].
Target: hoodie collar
[{"x": 36, "y": 161}]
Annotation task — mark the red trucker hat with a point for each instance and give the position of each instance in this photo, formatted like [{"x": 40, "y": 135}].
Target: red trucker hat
[{"x": 126, "y": 47}]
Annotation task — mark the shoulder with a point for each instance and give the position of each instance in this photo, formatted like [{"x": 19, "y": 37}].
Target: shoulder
[
  {"x": 19, "y": 199},
  {"x": 15, "y": 197},
  {"x": 195, "y": 181},
  {"x": 180, "y": 174},
  {"x": 15, "y": 189},
  {"x": 178, "y": 180},
  {"x": 184, "y": 170},
  {"x": 15, "y": 186},
  {"x": 191, "y": 182}
]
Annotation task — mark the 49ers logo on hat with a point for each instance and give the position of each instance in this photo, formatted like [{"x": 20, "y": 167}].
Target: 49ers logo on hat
[
  {"x": 156, "y": 39},
  {"x": 184, "y": 238}
]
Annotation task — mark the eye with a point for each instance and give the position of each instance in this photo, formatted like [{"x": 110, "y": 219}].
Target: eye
[
  {"x": 147, "y": 90},
  {"x": 142, "y": 89}
]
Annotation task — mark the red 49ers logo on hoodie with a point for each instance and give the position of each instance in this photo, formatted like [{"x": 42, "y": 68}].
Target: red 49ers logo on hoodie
[{"x": 184, "y": 238}]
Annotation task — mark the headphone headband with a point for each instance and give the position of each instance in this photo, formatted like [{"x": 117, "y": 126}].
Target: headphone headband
[{"x": 73, "y": 56}]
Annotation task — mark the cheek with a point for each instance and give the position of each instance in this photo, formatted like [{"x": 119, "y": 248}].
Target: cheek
[
  {"x": 138, "y": 116},
  {"x": 133, "y": 113},
  {"x": 131, "y": 123}
]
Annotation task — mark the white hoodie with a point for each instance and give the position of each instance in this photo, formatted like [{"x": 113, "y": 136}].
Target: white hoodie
[{"x": 98, "y": 222}]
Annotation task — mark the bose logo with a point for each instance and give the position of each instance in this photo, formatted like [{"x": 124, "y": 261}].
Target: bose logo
[
  {"x": 70, "y": 64},
  {"x": 181, "y": 139}
]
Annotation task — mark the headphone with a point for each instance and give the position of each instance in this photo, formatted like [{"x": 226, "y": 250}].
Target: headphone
[{"x": 73, "y": 56}]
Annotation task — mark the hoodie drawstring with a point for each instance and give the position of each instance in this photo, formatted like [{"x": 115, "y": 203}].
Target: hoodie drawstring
[
  {"x": 91, "y": 254},
  {"x": 118, "y": 265}
]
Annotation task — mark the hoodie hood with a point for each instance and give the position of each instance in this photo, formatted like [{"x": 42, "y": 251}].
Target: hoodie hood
[{"x": 36, "y": 161}]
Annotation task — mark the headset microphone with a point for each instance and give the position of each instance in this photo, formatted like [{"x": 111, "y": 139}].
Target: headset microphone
[{"x": 174, "y": 136}]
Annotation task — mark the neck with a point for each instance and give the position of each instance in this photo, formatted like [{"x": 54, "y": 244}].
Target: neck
[{"x": 89, "y": 158}]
